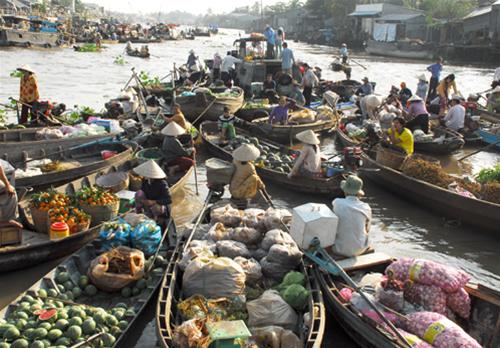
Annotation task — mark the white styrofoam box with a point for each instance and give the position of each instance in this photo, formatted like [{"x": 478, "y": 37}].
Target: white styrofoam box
[{"x": 313, "y": 220}]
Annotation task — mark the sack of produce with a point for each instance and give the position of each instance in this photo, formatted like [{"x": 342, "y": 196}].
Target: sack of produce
[
  {"x": 437, "y": 330},
  {"x": 274, "y": 337},
  {"x": 114, "y": 234},
  {"x": 193, "y": 252},
  {"x": 271, "y": 309},
  {"x": 459, "y": 302},
  {"x": 296, "y": 296},
  {"x": 227, "y": 215},
  {"x": 288, "y": 255},
  {"x": 146, "y": 237},
  {"x": 213, "y": 278},
  {"x": 190, "y": 334},
  {"x": 209, "y": 244},
  {"x": 414, "y": 341},
  {"x": 232, "y": 249},
  {"x": 390, "y": 298},
  {"x": 258, "y": 254},
  {"x": 200, "y": 233},
  {"x": 428, "y": 272},
  {"x": 254, "y": 218},
  {"x": 276, "y": 236},
  {"x": 100, "y": 204},
  {"x": 219, "y": 232},
  {"x": 430, "y": 297},
  {"x": 251, "y": 267},
  {"x": 275, "y": 218},
  {"x": 247, "y": 235},
  {"x": 274, "y": 270},
  {"x": 134, "y": 219},
  {"x": 117, "y": 268}
]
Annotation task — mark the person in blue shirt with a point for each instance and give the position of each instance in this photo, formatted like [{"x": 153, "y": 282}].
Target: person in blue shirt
[
  {"x": 271, "y": 41},
  {"x": 435, "y": 70},
  {"x": 344, "y": 53},
  {"x": 287, "y": 59},
  {"x": 366, "y": 88}
]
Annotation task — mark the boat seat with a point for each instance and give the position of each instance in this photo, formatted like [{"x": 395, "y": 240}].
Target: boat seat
[{"x": 363, "y": 261}]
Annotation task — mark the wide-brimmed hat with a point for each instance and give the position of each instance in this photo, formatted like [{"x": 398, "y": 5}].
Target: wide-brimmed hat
[
  {"x": 191, "y": 51},
  {"x": 150, "y": 170},
  {"x": 365, "y": 79},
  {"x": 308, "y": 137},
  {"x": 457, "y": 96},
  {"x": 414, "y": 98},
  {"x": 27, "y": 68},
  {"x": 496, "y": 90},
  {"x": 245, "y": 153},
  {"x": 353, "y": 186},
  {"x": 422, "y": 77},
  {"x": 344, "y": 45},
  {"x": 173, "y": 129}
]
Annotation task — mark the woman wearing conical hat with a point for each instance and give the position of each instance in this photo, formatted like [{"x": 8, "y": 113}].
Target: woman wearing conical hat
[
  {"x": 177, "y": 157},
  {"x": 245, "y": 182},
  {"x": 309, "y": 162},
  {"x": 153, "y": 199},
  {"x": 28, "y": 94}
]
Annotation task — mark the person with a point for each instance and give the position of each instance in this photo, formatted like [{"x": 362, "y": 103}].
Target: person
[
  {"x": 308, "y": 163},
  {"x": 153, "y": 199},
  {"x": 494, "y": 100},
  {"x": 216, "y": 66},
  {"x": 178, "y": 117},
  {"x": 280, "y": 39},
  {"x": 443, "y": 90},
  {"x": 296, "y": 94},
  {"x": 145, "y": 50},
  {"x": 354, "y": 222},
  {"x": 400, "y": 137},
  {"x": 226, "y": 126},
  {"x": 269, "y": 87},
  {"x": 435, "y": 70},
  {"x": 496, "y": 78},
  {"x": 28, "y": 92},
  {"x": 245, "y": 182},
  {"x": 176, "y": 156},
  {"x": 344, "y": 53},
  {"x": 369, "y": 105},
  {"x": 271, "y": 40},
  {"x": 455, "y": 117},
  {"x": 8, "y": 198},
  {"x": 279, "y": 115},
  {"x": 128, "y": 48},
  {"x": 192, "y": 60},
  {"x": 404, "y": 94},
  {"x": 287, "y": 59},
  {"x": 309, "y": 81},
  {"x": 366, "y": 88},
  {"x": 422, "y": 86},
  {"x": 418, "y": 114},
  {"x": 227, "y": 66},
  {"x": 98, "y": 40}
]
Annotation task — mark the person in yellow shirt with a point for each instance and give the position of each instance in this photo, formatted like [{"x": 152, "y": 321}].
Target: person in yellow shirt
[
  {"x": 245, "y": 182},
  {"x": 178, "y": 117},
  {"x": 443, "y": 90},
  {"x": 28, "y": 92},
  {"x": 400, "y": 138}
]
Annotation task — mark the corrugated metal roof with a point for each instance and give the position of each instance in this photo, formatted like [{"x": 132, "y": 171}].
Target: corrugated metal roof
[
  {"x": 367, "y": 10},
  {"x": 479, "y": 12},
  {"x": 398, "y": 17}
]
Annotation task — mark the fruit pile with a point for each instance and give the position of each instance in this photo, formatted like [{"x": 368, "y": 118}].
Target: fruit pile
[
  {"x": 49, "y": 200},
  {"x": 74, "y": 217},
  {"x": 95, "y": 196}
]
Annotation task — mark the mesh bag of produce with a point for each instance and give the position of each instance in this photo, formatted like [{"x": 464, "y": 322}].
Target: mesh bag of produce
[
  {"x": 273, "y": 270},
  {"x": 414, "y": 341},
  {"x": 459, "y": 303},
  {"x": 146, "y": 236},
  {"x": 438, "y": 330},
  {"x": 430, "y": 297},
  {"x": 390, "y": 298},
  {"x": 288, "y": 255},
  {"x": 254, "y": 218},
  {"x": 296, "y": 296},
  {"x": 219, "y": 232},
  {"x": 232, "y": 249},
  {"x": 275, "y": 218},
  {"x": 247, "y": 235},
  {"x": 276, "y": 236},
  {"x": 193, "y": 252},
  {"x": 271, "y": 309},
  {"x": 115, "y": 233},
  {"x": 427, "y": 272},
  {"x": 228, "y": 215},
  {"x": 252, "y": 268}
]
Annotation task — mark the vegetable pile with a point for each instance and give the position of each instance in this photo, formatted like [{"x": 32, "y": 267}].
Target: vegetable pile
[
  {"x": 491, "y": 174},
  {"x": 95, "y": 196}
]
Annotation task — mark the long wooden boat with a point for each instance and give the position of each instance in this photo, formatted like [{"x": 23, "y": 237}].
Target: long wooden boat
[
  {"x": 140, "y": 40},
  {"x": 168, "y": 316},
  {"x": 110, "y": 42},
  {"x": 37, "y": 248},
  {"x": 399, "y": 49},
  {"x": 137, "y": 53},
  {"x": 284, "y": 134},
  {"x": 489, "y": 116},
  {"x": 250, "y": 113},
  {"x": 327, "y": 186},
  {"x": 193, "y": 105},
  {"x": 489, "y": 137},
  {"x": 483, "y": 323},
  {"x": 76, "y": 266}
]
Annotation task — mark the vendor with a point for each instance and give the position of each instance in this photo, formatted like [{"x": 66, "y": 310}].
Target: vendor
[
  {"x": 418, "y": 115},
  {"x": 296, "y": 94},
  {"x": 443, "y": 90},
  {"x": 455, "y": 117},
  {"x": 269, "y": 87},
  {"x": 153, "y": 199},
  {"x": 226, "y": 126},
  {"x": 494, "y": 100},
  {"x": 28, "y": 92},
  {"x": 245, "y": 182},
  {"x": 279, "y": 115},
  {"x": 177, "y": 157},
  {"x": 8, "y": 198},
  {"x": 308, "y": 163},
  {"x": 404, "y": 93},
  {"x": 400, "y": 137},
  {"x": 192, "y": 60},
  {"x": 355, "y": 217},
  {"x": 178, "y": 117},
  {"x": 145, "y": 50}
]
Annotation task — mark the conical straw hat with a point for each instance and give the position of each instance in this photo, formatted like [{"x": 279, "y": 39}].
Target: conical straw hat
[
  {"x": 308, "y": 137},
  {"x": 414, "y": 98},
  {"x": 27, "y": 68},
  {"x": 422, "y": 77},
  {"x": 150, "y": 170},
  {"x": 245, "y": 153},
  {"x": 173, "y": 129}
]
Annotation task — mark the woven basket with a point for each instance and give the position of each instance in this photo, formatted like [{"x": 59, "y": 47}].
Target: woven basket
[
  {"x": 40, "y": 219},
  {"x": 135, "y": 182},
  {"x": 100, "y": 213},
  {"x": 113, "y": 182},
  {"x": 390, "y": 158}
]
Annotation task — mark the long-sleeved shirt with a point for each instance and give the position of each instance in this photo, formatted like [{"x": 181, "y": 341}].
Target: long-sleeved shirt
[
  {"x": 28, "y": 91},
  {"x": 365, "y": 89},
  {"x": 417, "y": 108},
  {"x": 455, "y": 117},
  {"x": 172, "y": 149},
  {"x": 180, "y": 120},
  {"x": 308, "y": 159},
  {"x": 228, "y": 62},
  {"x": 353, "y": 227},
  {"x": 298, "y": 96},
  {"x": 310, "y": 79},
  {"x": 404, "y": 95},
  {"x": 191, "y": 60},
  {"x": 287, "y": 58},
  {"x": 279, "y": 114},
  {"x": 344, "y": 52},
  {"x": 157, "y": 190},
  {"x": 443, "y": 89},
  {"x": 422, "y": 88},
  {"x": 217, "y": 62},
  {"x": 435, "y": 70},
  {"x": 270, "y": 36}
]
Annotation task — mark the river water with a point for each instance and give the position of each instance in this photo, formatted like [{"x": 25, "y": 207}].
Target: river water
[{"x": 399, "y": 228}]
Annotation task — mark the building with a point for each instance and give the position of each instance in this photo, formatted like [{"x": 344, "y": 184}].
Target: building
[{"x": 483, "y": 25}]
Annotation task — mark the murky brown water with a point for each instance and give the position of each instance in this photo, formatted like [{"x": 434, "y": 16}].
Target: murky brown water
[{"x": 399, "y": 228}]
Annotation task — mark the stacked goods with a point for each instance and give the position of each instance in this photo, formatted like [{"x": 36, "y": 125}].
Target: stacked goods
[
  {"x": 41, "y": 203},
  {"x": 302, "y": 116},
  {"x": 76, "y": 219},
  {"x": 490, "y": 180},
  {"x": 99, "y": 203}
]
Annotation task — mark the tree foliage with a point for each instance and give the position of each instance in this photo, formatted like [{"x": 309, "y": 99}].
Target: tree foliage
[{"x": 443, "y": 9}]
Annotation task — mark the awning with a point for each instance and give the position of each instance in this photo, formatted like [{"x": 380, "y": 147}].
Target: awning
[{"x": 364, "y": 13}]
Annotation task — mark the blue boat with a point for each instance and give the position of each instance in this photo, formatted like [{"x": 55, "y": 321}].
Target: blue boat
[{"x": 489, "y": 137}]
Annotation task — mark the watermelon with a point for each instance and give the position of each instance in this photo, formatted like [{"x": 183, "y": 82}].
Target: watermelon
[
  {"x": 47, "y": 314},
  {"x": 20, "y": 343}
]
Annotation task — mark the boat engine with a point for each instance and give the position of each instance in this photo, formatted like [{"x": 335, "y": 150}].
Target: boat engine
[{"x": 352, "y": 158}]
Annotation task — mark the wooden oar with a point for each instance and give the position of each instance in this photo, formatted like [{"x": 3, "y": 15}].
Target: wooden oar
[
  {"x": 361, "y": 65},
  {"x": 477, "y": 151},
  {"x": 88, "y": 340},
  {"x": 204, "y": 111}
]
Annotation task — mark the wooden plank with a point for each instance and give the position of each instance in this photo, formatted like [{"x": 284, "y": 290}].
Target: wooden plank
[{"x": 364, "y": 261}]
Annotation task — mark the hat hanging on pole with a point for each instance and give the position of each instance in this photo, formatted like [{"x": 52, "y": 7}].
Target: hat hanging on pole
[{"x": 27, "y": 68}]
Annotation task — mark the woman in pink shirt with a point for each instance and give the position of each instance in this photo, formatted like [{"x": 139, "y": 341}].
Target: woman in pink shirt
[{"x": 417, "y": 114}]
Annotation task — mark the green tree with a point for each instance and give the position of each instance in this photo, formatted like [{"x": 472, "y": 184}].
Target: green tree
[{"x": 443, "y": 9}]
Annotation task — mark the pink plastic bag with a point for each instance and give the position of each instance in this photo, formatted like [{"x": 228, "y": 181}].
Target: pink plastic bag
[
  {"x": 430, "y": 297},
  {"x": 459, "y": 302}
]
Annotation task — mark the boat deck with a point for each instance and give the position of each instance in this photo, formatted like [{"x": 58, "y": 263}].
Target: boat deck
[{"x": 29, "y": 238}]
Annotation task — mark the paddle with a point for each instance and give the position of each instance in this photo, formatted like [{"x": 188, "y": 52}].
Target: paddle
[
  {"x": 47, "y": 118},
  {"x": 204, "y": 111},
  {"x": 361, "y": 65},
  {"x": 477, "y": 151}
]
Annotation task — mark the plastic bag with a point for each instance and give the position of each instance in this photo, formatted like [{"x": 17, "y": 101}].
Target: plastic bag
[
  {"x": 200, "y": 233},
  {"x": 258, "y": 254},
  {"x": 252, "y": 268},
  {"x": 273, "y": 270},
  {"x": 219, "y": 232},
  {"x": 275, "y": 337},
  {"x": 115, "y": 233},
  {"x": 103, "y": 269},
  {"x": 146, "y": 236},
  {"x": 228, "y": 215},
  {"x": 276, "y": 236},
  {"x": 232, "y": 249},
  {"x": 213, "y": 278},
  {"x": 275, "y": 218},
  {"x": 390, "y": 298},
  {"x": 288, "y": 255},
  {"x": 296, "y": 296},
  {"x": 247, "y": 235},
  {"x": 134, "y": 219},
  {"x": 211, "y": 245},
  {"x": 271, "y": 309},
  {"x": 459, "y": 303},
  {"x": 193, "y": 252},
  {"x": 190, "y": 334},
  {"x": 254, "y": 218}
]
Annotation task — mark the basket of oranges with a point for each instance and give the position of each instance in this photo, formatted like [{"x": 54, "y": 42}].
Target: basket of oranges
[
  {"x": 40, "y": 205},
  {"x": 76, "y": 219},
  {"x": 99, "y": 203}
]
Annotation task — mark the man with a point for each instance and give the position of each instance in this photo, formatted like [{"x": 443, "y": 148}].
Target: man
[
  {"x": 178, "y": 117},
  {"x": 366, "y": 88},
  {"x": 227, "y": 65},
  {"x": 192, "y": 60},
  {"x": 494, "y": 100},
  {"x": 280, "y": 39},
  {"x": 400, "y": 137},
  {"x": 216, "y": 66},
  {"x": 404, "y": 94},
  {"x": 309, "y": 81},
  {"x": 355, "y": 217},
  {"x": 422, "y": 86},
  {"x": 226, "y": 126},
  {"x": 344, "y": 53},
  {"x": 287, "y": 60},
  {"x": 269, "y": 87},
  {"x": 455, "y": 117},
  {"x": 28, "y": 91},
  {"x": 8, "y": 198},
  {"x": 296, "y": 94},
  {"x": 271, "y": 41},
  {"x": 176, "y": 156},
  {"x": 435, "y": 70}
]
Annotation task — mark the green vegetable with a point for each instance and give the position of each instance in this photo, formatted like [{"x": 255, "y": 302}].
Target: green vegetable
[
  {"x": 491, "y": 174},
  {"x": 296, "y": 296}
]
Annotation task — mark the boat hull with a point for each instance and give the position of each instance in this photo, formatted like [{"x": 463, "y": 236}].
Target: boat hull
[
  {"x": 393, "y": 49},
  {"x": 18, "y": 37},
  {"x": 489, "y": 138}
]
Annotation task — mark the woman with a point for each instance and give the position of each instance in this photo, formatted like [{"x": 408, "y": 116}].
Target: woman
[
  {"x": 178, "y": 117},
  {"x": 269, "y": 88},
  {"x": 153, "y": 199},
  {"x": 279, "y": 115},
  {"x": 443, "y": 90},
  {"x": 404, "y": 94},
  {"x": 418, "y": 115},
  {"x": 28, "y": 92},
  {"x": 245, "y": 183},
  {"x": 308, "y": 164},
  {"x": 8, "y": 198},
  {"x": 422, "y": 86},
  {"x": 176, "y": 156}
]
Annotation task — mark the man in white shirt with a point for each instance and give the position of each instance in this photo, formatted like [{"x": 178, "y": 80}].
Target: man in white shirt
[
  {"x": 227, "y": 65},
  {"x": 455, "y": 117},
  {"x": 309, "y": 80},
  {"x": 354, "y": 219}
]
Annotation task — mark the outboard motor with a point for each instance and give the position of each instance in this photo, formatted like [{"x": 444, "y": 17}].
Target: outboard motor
[{"x": 352, "y": 158}]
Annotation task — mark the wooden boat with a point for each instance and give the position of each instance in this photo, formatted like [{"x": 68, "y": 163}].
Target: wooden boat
[
  {"x": 137, "y": 53},
  {"x": 193, "y": 105},
  {"x": 483, "y": 325},
  {"x": 37, "y": 248},
  {"x": 168, "y": 316},
  {"x": 489, "y": 137},
  {"x": 140, "y": 40},
  {"x": 400, "y": 49},
  {"x": 109, "y": 42},
  {"x": 284, "y": 134},
  {"x": 327, "y": 186},
  {"x": 77, "y": 265},
  {"x": 249, "y": 113},
  {"x": 490, "y": 116}
]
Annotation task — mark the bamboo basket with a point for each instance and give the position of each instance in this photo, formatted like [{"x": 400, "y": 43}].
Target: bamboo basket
[
  {"x": 40, "y": 219},
  {"x": 100, "y": 213},
  {"x": 390, "y": 158},
  {"x": 113, "y": 182}
]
